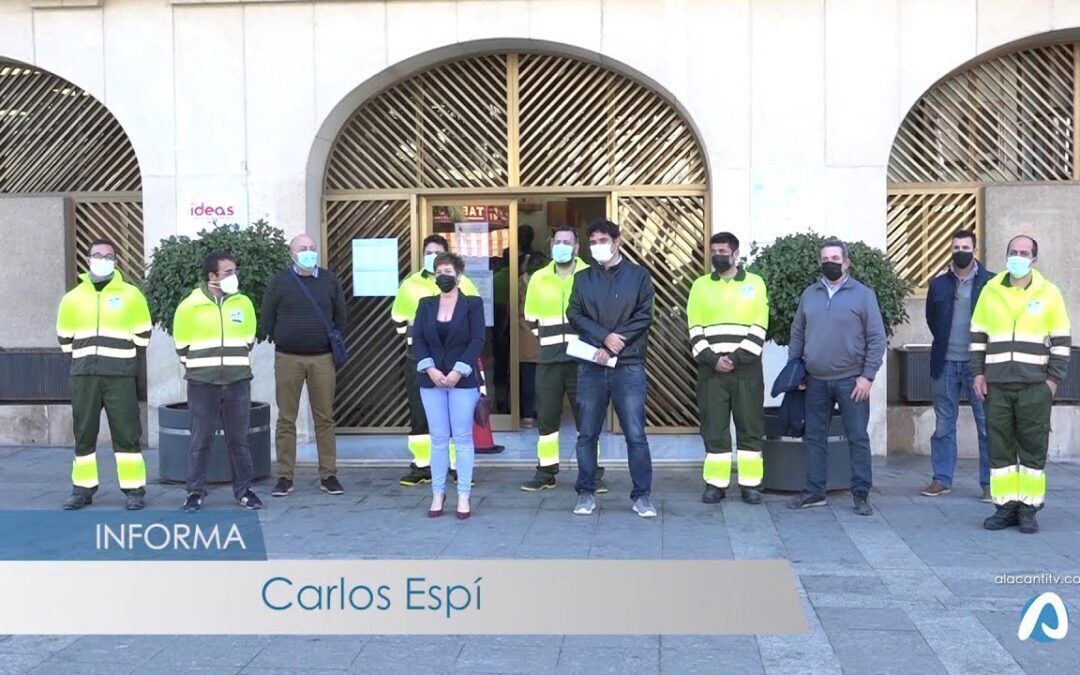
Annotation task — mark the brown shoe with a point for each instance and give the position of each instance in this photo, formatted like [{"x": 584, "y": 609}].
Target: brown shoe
[
  {"x": 986, "y": 498},
  {"x": 935, "y": 489}
]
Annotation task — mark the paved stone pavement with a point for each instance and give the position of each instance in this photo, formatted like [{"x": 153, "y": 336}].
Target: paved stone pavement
[{"x": 908, "y": 590}]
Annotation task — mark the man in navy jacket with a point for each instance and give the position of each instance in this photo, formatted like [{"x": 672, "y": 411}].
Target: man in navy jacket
[{"x": 949, "y": 303}]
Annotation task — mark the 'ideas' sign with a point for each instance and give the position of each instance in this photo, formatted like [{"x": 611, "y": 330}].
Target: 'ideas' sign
[{"x": 203, "y": 207}]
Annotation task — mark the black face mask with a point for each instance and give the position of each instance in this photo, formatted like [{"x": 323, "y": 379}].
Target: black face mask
[
  {"x": 962, "y": 258},
  {"x": 445, "y": 282},
  {"x": 721, "y": 263},
  {"x": 832, "y": 270}
]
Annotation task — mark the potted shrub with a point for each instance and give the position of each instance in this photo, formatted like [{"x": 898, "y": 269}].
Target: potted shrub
[
  {"x": 788, "y": 266},
  {"x": 176, "y": 268}
]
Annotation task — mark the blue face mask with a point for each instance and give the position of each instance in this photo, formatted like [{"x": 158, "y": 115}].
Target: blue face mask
[
  {"x": 562, "y": 253},
  {"x": 429, "y": 262},
  {"x": 1018, "y": 266},
  {"x": 307, "y": 259}
]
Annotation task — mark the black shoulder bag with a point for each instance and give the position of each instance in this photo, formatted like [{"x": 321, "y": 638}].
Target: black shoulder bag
[{"x": 337, "y": 342}]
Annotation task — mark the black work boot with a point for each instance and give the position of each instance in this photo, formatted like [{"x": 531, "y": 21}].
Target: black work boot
[
  {"x": 542, "y": 480},
  {"x": 416, "y": 476},
  {"x": 1007, "y": 515},
  {"x": 78, "y": 500},
  {"x": 1026, "y": 515},
  {"x": 751, "y": 495},
  {"x": 713, "y": 494},
  {"x": 135, "y": 500}
]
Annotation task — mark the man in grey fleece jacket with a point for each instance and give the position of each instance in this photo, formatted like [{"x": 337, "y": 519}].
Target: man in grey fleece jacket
[{"x": 839, "y": 334}]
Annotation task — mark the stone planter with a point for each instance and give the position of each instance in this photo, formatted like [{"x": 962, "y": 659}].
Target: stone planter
[
  {"x": 174, "y": 442},
  {"x": 785, "y": 457}
]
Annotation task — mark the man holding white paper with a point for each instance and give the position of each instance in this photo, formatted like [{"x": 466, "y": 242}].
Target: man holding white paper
[{"x": 611, "y": 311}]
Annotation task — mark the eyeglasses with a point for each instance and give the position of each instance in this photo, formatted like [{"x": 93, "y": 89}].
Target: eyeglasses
[{"x": 98, "y": 256}]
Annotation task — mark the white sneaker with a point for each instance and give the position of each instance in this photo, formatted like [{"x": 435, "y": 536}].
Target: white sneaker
[
  {"x": 644, "y": 508},
  {"x": 585, "y": 505}
]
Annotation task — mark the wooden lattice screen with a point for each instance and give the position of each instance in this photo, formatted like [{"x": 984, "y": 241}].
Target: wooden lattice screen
[
  {"x": 584, "y": 125},
  {"x": 57, "y": 139},
  {"x": 446, "y": 127},
  {"x": 371, "y": 386},
  {"x": 919, "y": 228},
  {"x": 664, "y": 235},
  {"x": 1007, "y": 119},
  {"x": 517, "y": 123}
]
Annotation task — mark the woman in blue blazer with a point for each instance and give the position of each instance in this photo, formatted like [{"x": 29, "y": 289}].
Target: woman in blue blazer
[{"x": 448, "y": 336}]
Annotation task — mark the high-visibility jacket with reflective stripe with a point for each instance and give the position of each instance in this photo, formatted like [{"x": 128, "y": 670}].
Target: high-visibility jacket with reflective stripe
[
  {"x": 546, "y": 300},
  {"x": 102, "y": 329},
  {"x": 415, "y": 287},
  {"x": 728, "y": 317},
  {"x": 214, "y": 338},
  {"x": 1020, "y": 335}
]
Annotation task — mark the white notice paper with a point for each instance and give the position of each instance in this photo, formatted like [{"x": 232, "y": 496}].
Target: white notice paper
[
  {"x": 585, "y": 351},
  {"x": 375, "y": 267}
]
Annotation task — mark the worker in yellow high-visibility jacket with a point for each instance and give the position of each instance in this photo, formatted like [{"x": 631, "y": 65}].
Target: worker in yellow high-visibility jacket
[
  {"x": 728, "y": 314},
  {"x": 214, "y": 330},
  {"x": 546, "y": 299},
  {"x": 416, "y": 286},
  {"x": 1020, "y": 344},
  {"x": 102, "y": 322}
]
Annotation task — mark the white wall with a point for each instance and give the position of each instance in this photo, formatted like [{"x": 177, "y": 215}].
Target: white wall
[{"x": 796, "y": 101}]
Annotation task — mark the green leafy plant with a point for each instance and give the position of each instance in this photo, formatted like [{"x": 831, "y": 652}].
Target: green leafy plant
[
  {"x": 176, "y": 265},
  {"x": 793, "y": 262}
]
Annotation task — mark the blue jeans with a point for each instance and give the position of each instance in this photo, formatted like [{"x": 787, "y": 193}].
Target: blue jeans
[
  {"x": 450, "y": 413},
  {"x": 956, "y": 378},
  {"x": 624, "y": 386},
  {"x": 821, "y": 395},
  {"x": 227, "y": 407}
]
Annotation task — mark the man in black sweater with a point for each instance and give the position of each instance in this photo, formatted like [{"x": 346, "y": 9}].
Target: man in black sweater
[{"x": 290, "y": 319}]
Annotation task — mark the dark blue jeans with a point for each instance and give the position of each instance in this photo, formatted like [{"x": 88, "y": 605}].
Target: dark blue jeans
[
  {"x": 624, "y": 386},
  {"x": 821, "y": 395},
  {"x": 956, "y": 378},
  {"x": 214, "y": 407}
]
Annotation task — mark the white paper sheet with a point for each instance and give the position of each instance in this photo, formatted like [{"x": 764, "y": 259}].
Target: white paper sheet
[
  {"x": 579, "y": 349},
  {"x": 375, "y": 267}
]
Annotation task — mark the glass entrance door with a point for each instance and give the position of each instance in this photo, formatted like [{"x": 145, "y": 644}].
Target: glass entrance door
[
  {"x": 484, "y": 233},
  {"x": 502, "y": 242}
]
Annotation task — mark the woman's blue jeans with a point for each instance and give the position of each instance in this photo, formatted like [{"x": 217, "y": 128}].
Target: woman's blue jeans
[{"x": 450, "y": 414}]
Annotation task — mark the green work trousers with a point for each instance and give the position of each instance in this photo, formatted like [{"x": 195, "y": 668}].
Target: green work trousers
[
  {"x": 1018, "y": 428},
  {"x": 117, "y": 395},
  {"x": 721, "y": 398}
]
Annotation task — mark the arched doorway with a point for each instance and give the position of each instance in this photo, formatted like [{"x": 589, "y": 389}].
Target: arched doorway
[
  {"x": 993, "y": 148},
  {"x": 474, "y": 147},
  {"x": 64, "y": 149},
  {"x": 57, "y": 139},
  {"x": 1007, "y": 119}
]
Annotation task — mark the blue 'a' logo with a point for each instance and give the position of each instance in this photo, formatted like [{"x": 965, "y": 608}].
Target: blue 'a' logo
[{"x": 1044, "y": 619}]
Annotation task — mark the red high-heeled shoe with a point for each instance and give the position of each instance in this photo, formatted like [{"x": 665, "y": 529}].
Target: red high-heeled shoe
[{"x": 435, "y": 514}]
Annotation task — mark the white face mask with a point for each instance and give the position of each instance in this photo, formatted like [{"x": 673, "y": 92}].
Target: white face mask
[
  {"x": 429, "y": 262},
  {"x": 601, "y": 253},
  {"x": 101, "y": 268},
  {"x": 229, "y": 285}
]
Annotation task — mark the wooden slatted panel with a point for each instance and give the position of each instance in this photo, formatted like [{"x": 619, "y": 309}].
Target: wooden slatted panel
[
  {"x": 1008, "y": 119},
  {"x": 666, "y": 235},
  {"x": 919, "y": 228},
  {"x": 582, "y": 124},
  {"x": 446, "y": 127},
  {"x": 118, "y": 221},
  {"x": 55, "y": 137},
  {"x": 371, "y": 386}
]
